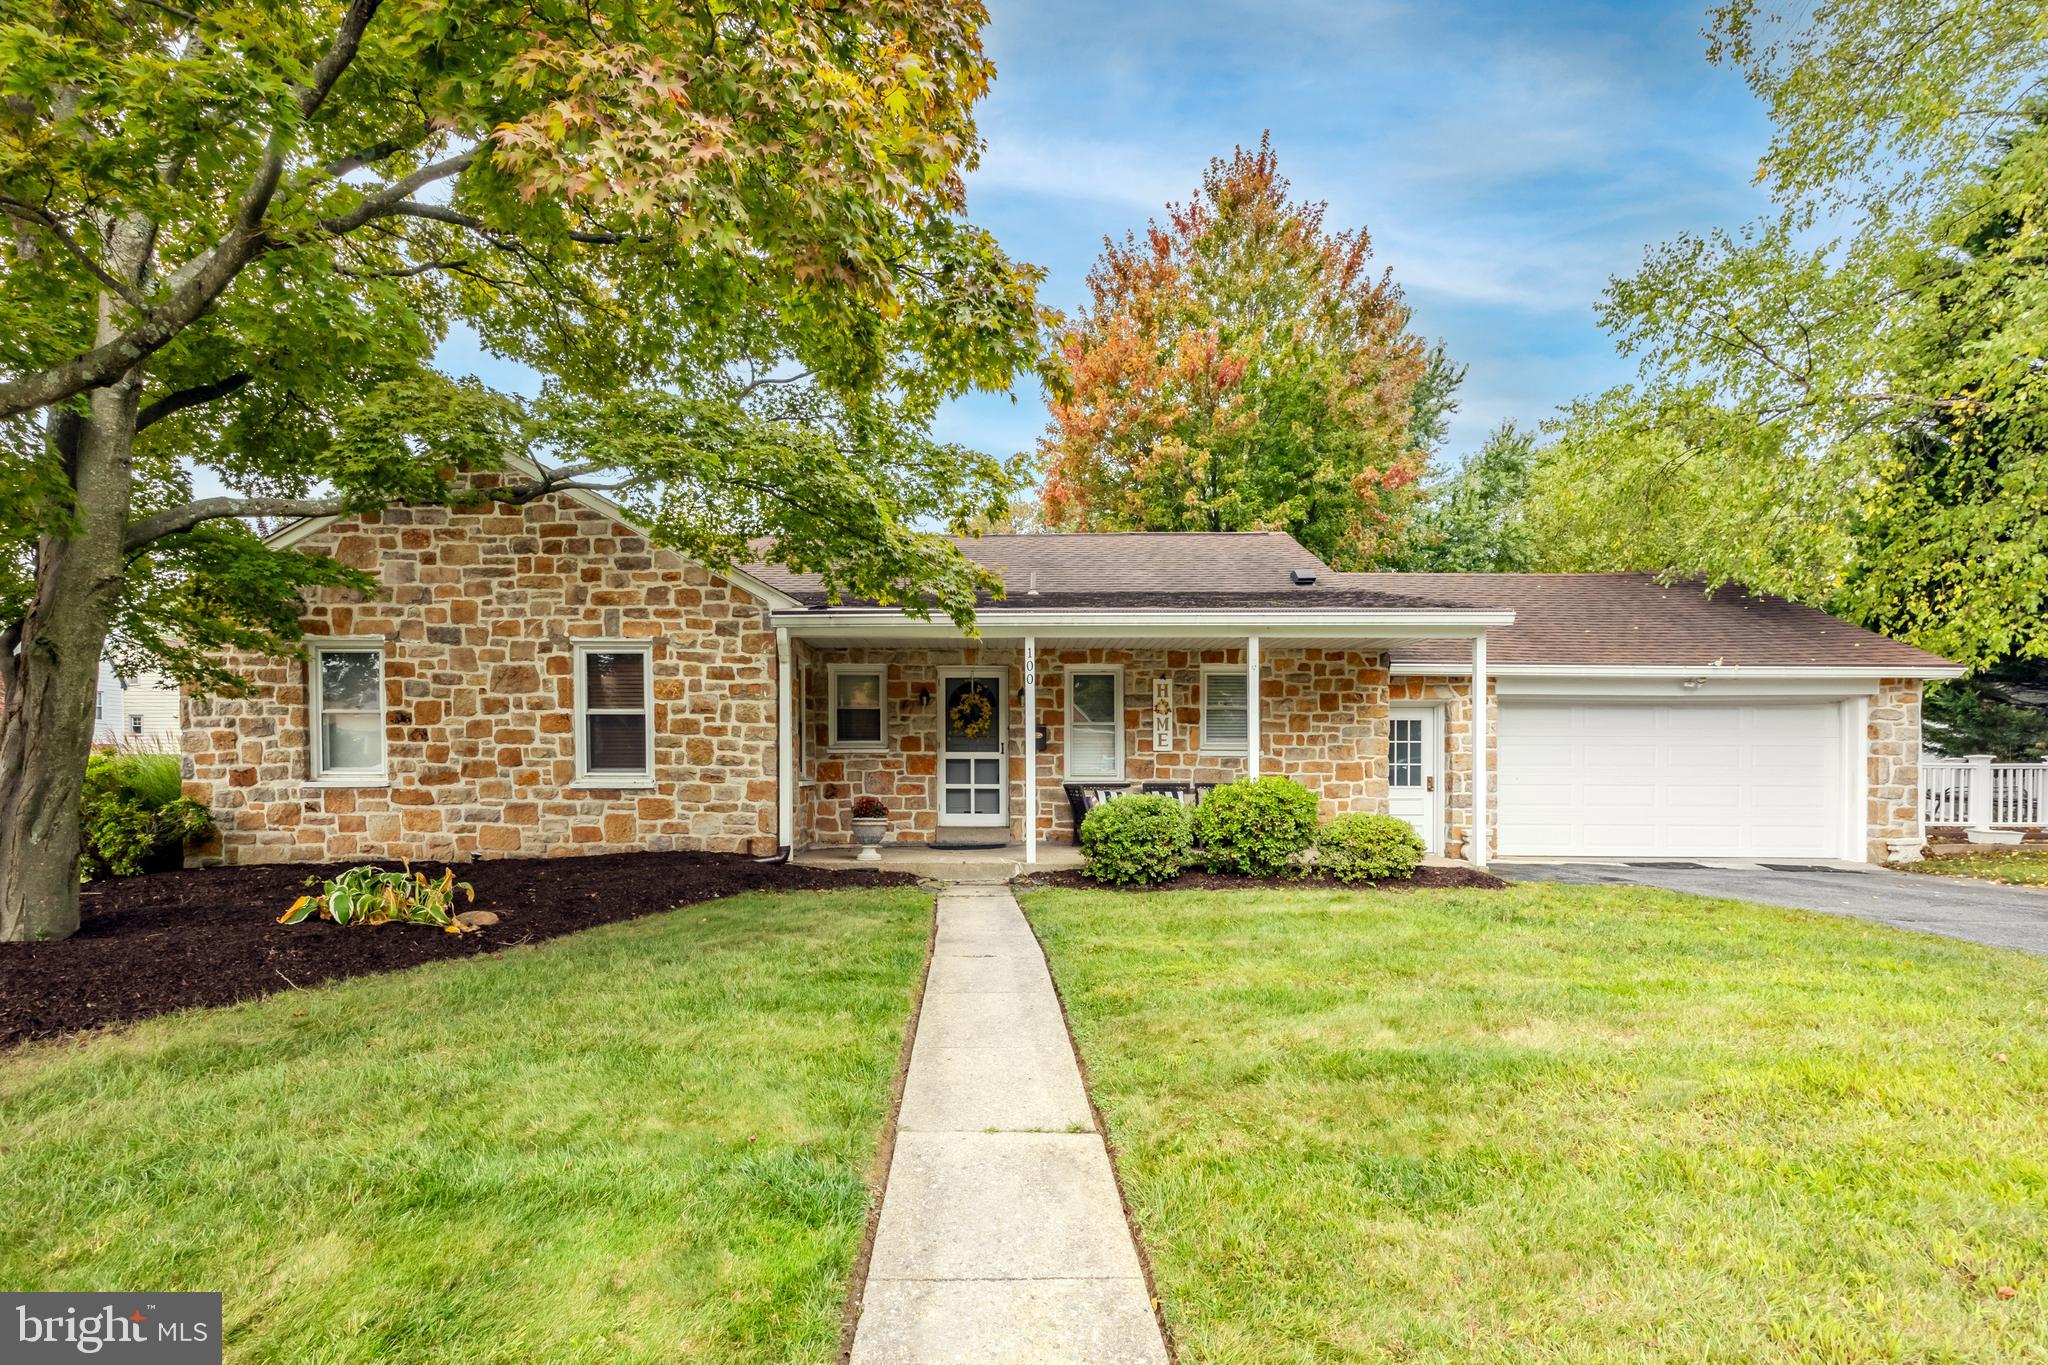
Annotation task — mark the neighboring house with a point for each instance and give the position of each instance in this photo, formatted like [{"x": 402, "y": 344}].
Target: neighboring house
[
  {"x": 541, "y": 679},
  {"x": 138, "y": 712}
]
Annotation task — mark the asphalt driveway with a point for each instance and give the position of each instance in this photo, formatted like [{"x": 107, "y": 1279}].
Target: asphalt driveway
[{"x": 1980, "y": 912}]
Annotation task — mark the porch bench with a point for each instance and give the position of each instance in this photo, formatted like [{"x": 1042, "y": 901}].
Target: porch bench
[
  {"x": 1187, "y": 793},
  {"x": 1083, "y": 797}
]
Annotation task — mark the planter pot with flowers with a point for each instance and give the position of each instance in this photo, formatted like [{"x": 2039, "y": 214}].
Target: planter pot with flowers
[{"x": 870, "y": 823}]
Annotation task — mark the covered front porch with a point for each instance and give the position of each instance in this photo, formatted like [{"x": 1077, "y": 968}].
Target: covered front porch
[{"x": 977, "y": 746}]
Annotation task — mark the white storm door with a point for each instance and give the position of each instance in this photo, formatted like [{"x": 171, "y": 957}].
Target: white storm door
[
  {"x": 973, "y": 779},
  {"x": 1414, "y": 753}
]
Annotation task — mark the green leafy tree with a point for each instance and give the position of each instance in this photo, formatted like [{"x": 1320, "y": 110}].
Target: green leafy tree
[
  {"x": 1852, "y": 420},
  {"x": 1240, "y": 367},
  {"x": 731, "y": 236},
  {"x": 1473, "y": 517}
]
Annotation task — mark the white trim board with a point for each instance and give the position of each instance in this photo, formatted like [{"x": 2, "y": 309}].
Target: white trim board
[{"x": 1713, "y": 674}]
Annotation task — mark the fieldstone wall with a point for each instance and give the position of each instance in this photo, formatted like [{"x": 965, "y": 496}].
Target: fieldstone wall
[
  {"x": 1894, "y": 759},
  {"x": 905, "y": 773},
  {"x": 479, "y": 612},
  {"x": 1323, "y": 723}
]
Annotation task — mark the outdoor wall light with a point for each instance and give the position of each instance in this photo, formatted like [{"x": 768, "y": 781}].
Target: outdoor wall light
[{"x": 924, "y": 696}]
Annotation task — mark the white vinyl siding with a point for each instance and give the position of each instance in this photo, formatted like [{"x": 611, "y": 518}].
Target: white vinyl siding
[
  {"x": 1225, "y": 717},
  {"x": 614, "y": 713},
  {"x": 347, "y": 706},
  {"x": 1095, "y": 724},
  {"x": 859, "y": 718}
]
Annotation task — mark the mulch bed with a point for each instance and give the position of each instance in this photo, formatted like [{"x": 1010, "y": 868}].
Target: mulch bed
[
  {"x": 1425, "y": 879},
  {"x": 172, "y": 940}
]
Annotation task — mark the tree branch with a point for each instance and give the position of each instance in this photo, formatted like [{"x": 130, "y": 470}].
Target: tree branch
[
  {"x": 172, "y": 520},
  {"x": 392, "y": 199},
  {"x": 29, "y": 213},
  {"x": 173, "y": 403},
  {"x": 204, "y": 278},
  {"x": 146, "y": 530},
  {"x": 441, "y": 213}
]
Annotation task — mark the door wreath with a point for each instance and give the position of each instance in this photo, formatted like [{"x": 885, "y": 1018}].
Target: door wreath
[{"x": 971, "y": 713}]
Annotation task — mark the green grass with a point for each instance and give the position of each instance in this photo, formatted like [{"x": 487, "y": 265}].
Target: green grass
[
  {"x": 2020, "y": 866},
  {"x": 1565, "y": 1124},
  {"x": 643, "y": 1142}
]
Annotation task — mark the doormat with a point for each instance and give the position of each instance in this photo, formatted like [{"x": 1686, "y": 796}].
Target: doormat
[{"x": 1688, "y": 867}]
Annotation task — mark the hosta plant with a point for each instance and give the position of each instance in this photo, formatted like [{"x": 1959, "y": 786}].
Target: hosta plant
[{"x": 376, "y": 895}]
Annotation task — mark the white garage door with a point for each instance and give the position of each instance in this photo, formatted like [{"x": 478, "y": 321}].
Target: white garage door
[{"x": 1625, "y": 779}]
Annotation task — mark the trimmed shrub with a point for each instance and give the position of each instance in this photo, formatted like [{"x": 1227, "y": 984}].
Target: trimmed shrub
[
  {"x": 1367, "y": 848},
  {"x": 1134, "y": 839},
  {"x": 132, "y": 817},
  {"x": 1255, "y": 828}
]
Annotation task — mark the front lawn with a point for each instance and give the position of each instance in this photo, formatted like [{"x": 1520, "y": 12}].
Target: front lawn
[
  {"x": 2023, "y": 866},
  {"x": 649, "y": 1141},
  {"x": 1570, "y": 1123}
]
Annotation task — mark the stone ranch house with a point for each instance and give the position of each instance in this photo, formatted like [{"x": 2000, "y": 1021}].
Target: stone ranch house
[{"x": 541, "y": 680}]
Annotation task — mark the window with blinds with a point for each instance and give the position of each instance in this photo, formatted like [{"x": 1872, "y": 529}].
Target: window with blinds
[
  {"x": 857, "y": 708},
  {"x": 614, "y": 712},
  {"x": 1225, "y": 716},
  {"x": 1095, "y": 725},
  {"x": 348, "y": 707}
]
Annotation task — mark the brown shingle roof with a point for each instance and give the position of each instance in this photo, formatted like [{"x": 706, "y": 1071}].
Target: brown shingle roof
[
  {"x": 1631, "y": 619},
  {"x": 1572, "y": 620},
  {"x": 1149, "y": 570}
]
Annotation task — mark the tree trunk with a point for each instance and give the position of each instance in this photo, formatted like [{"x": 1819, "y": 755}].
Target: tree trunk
[{"x": 53, "y": 676}]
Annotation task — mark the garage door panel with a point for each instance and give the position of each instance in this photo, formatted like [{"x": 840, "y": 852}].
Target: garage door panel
[{"x": 1632, "y": 779}]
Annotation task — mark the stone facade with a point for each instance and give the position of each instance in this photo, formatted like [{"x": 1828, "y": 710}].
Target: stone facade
[
  {"x": 1323, "y": 722},
  {"x": 478, "y": 620},
  {"x": 479, "y": 615},
  {"x": 1894, "y": 759}
]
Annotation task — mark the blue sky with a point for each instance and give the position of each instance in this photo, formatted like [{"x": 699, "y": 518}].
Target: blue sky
[{"x": 1506, "y": 158}]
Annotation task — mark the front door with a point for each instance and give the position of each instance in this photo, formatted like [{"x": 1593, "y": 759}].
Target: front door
[
  {"x": 973, "y": 784},
  {"x": 1414, "y": 753}
]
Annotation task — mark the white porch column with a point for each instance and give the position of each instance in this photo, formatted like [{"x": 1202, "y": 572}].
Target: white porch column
[
  {"x": 1030, "y": 749},
  {"x": 1476, "y": 854},
  {"x": 1251, "y": 706},
  {"x": 1977, "y": 774},
  {"x": 785, "y": 743}
]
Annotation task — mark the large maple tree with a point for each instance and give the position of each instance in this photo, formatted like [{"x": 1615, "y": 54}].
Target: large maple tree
[
  {"x": 731, "y": 236},
  {"x": 1239, "y": 366}
]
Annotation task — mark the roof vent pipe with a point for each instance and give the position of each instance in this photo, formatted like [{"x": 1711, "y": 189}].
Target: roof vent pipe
[
  {"x": 1032, "y": 590},
  {"x": 1302, "y": 578}
]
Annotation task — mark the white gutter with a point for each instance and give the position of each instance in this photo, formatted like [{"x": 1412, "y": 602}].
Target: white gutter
[{"x": 1680, "y": 672}]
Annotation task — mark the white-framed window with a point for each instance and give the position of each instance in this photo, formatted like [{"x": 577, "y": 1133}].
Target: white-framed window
[
  {"x": 859, "y": 717},
  {"x": 614, "y": 712},
  {"x": 1095, "y": 723},
  {"x": 346, "y": 700},
  {"x": 1225, "y": 714},
  {"x": 135, "y": 725}
]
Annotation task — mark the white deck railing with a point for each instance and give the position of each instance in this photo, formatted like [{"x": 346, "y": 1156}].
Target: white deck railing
[{"x": 1977, "y": 792}]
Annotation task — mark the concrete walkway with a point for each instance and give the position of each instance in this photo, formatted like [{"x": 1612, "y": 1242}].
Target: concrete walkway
[{"x": 1001, "y": 1237}]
